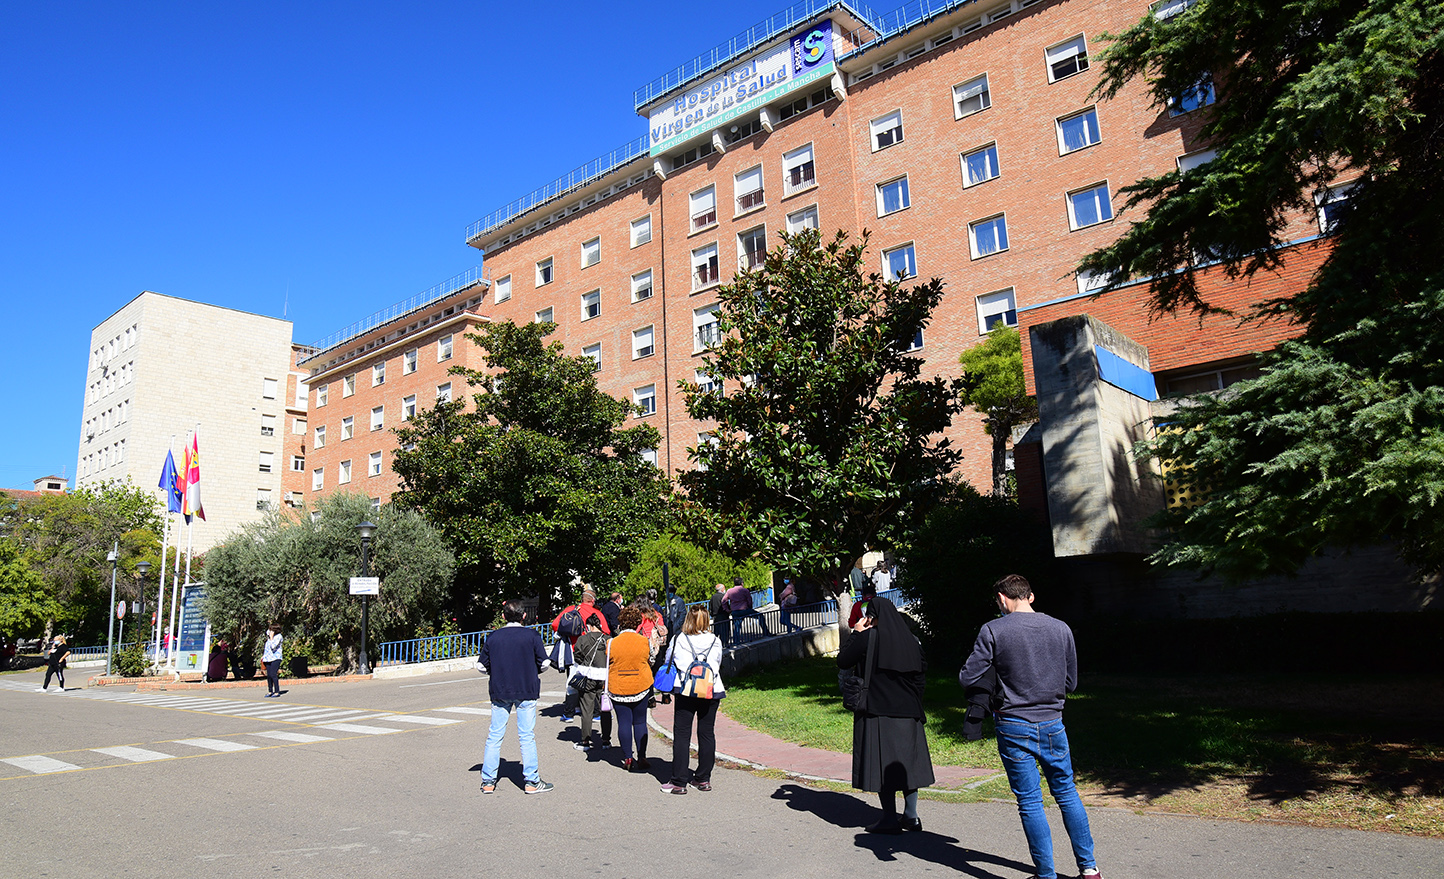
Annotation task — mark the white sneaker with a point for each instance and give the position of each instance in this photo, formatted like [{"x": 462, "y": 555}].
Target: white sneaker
[{"x": 40, "y": 690}]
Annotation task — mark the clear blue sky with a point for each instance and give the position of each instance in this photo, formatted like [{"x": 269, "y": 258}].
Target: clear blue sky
[{"x": 243, "y": 154}]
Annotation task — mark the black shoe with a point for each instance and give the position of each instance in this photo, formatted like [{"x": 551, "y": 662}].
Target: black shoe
[
  {"x": 889, "y": 825},
  {"x": 912, "y": 825}
]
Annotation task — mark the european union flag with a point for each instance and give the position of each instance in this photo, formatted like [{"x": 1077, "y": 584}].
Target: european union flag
[{"x": 173, "y": 496}]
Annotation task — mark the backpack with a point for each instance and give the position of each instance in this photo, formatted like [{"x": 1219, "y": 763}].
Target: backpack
[
  {"x": 570, "y": 624},
  {"x": 697, "y": 682}
]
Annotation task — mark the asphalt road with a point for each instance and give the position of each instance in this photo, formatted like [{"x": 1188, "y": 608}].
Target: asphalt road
[{"x": 382, "y": 779}]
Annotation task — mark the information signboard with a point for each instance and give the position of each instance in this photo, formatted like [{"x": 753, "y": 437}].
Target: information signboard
[
  {"x": 193, "y": 645},
  {"x": 365, "y": 585}
]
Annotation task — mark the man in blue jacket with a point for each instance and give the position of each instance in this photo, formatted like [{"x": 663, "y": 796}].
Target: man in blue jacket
[
  {"x": 513, "y": 656},
  {"x": 1035, "y": 663}
]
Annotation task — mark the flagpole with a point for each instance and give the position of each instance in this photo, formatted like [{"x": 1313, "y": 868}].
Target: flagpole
[
  {"x": 174, "y": 589},
  {"x": 190, "y": 518},
  {"x": 160, "y": 585}
]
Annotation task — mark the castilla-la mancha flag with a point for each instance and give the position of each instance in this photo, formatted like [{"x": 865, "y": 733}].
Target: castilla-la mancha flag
[{"x": 193, "y": 479}]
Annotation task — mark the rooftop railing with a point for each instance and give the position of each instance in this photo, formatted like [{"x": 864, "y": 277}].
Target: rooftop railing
[
  {"x": 466, "y": 279},
  {"x": 593, "y": 170},
  {"x": 910, "y": 15}
]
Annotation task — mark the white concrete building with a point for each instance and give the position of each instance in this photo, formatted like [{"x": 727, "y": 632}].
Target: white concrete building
[{"x": 159, "y": 367}]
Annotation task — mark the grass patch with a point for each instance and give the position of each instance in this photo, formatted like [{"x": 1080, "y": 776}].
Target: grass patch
[{"x": 1359, "y": 752}]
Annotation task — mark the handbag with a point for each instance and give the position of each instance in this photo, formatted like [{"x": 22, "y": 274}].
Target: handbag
[
  {"x": 854, "y": 686},
  {"x": 666, "y": 677}
]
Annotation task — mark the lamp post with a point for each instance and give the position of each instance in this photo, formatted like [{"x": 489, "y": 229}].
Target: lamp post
[
  {"x": 113, "y": 556},
  {"x": 141, "y": 569},
  {"x": 365, "y": 529}
]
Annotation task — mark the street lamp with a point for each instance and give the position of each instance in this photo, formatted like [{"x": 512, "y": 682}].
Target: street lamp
[
  {"x": 141, "y": 569},
  {"x": 113, "y": 556},
  {"x": 365, "y": 529}
]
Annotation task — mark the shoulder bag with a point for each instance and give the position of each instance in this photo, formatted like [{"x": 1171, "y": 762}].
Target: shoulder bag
[{"x": 853, "y": 685}]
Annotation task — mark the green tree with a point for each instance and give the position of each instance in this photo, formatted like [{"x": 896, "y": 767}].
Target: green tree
[
  {"x": 1341, "y": 440},
  {"x": 535, "y": 482},
  {"x": 993, "y": 384},
  {"x": 830, "y": 445},
  {"x": 64, "y": 538},
  {"x": 693, "y": 569},
  {"x": 25, "y": 603},
  {"x": 294, "y": 569}
]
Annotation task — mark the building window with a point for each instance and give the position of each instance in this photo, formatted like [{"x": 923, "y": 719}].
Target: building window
[
  {"x": 748, "y": 186},
  {"x": 752, "y": 248},
  {"x": 298, "y": 464},
  {"x": 320, "y": 442},
  {"x": 642, "y": 343},
  {"x": 293, "y": 499},
  {"x": 704, "y": 266},
  {"x": 706, "y": 384},
  {"x": 645, "y": 399},
  {"x": 594, "y": 353},
  {"x": 892, "y": 196},
  {"x": 798, "y": 170},
  {"x": 641, "y": 230},
  {"x": 408, "y": 407},
  {"x": 318, "y": 478},
  {"x": 348, "y": 427},
  {"x": 591, "y": 305},
  {"x": 1166, "y": 9},
  {"x": 900, "y": 263},
  {"x": 742, "y": 129},
  {"x": 705, "y": 327},
  {"x": 344, "y": 475},
  {"x": 268, "y": 425},
  {"x": 988, "y": 236},
  {"x": 1332, "y": 204},
  {"x": 886, "y": 130},
  {"x": 378, "y": 417},
  {"x": 376, "y": 505},
  {"x": 348, "y": 385},
  {"x": 298, "y": 426},
  {"x": 502, "y": 289},
  {"x": 702, "y": 206},
  {"x": 792, "y": 108},
  {"x": 1089, "y": 207},
  {"x": 650, "y": 456},
  {"x": 373, "y": 464},
  {"x": 1078, "y": 131},
  {"x": 917, "y": 343},
  {"x": 408, "y": 362},
  {"x": 1195, "y": 160},
  {"x": 378, "y": 374},
  {"x": 803, "y": 219},
  {"x": 263, "y": 499},
  {"x": 1066, "y": 59},
  {"x": 642, "y": 286},
  {"x": 544, "y": 272},
  {"x": 1090, "y": 281},
  {"x": 322, "y": 393},
  {"x": 695, "y": 154},
  {"x": 544, "y": 316},
  {"x": 591, "y": 252},
  {"x": 267, "y": 458},
  {"x": 980, "y": 165},
  {"x": 1200, "y": 94},
  {"x": 443, "y": 393},
  {"x": 997, "y": 310},
  {"x": 443, "y": 349},
  {"x": 971, "y": 97},
  {"x": 268, "y": 388}
]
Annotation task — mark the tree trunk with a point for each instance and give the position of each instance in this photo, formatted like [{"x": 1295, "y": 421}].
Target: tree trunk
[{"x": 1000, "y": 460}]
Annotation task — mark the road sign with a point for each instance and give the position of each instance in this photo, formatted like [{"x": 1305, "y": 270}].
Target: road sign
[
  {"x": 365, "y": 585},
  {"x": 120, "y": 610}
]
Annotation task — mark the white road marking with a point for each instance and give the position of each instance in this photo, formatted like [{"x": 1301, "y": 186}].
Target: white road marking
[
  {"x": 39, "y": 765},
  {"x": 466, "y": 709},
  {"x": 134, "y": 755},
  {"x": 293, "y": 736},
  {"x": 414, "y": 718},
  {"x": 215, "y": 744},
  {"x": 438, "y": 683},
  {"x": 357, "y": 728}
]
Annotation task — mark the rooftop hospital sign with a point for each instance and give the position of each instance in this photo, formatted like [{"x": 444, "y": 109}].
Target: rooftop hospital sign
[{"x": 805, "y": 58}]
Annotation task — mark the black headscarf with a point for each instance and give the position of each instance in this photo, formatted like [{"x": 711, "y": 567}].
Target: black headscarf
[{"x": 897, "y": 649}]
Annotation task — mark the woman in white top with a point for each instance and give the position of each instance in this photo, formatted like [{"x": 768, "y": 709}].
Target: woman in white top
[
  {"x": 272, "y": 660},
  {"x": 695, "y": 643}
]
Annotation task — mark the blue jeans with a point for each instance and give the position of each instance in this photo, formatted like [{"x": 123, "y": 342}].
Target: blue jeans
[
  {"x": 526, "y": 736},
  {"x": 1025, "y": 747}
]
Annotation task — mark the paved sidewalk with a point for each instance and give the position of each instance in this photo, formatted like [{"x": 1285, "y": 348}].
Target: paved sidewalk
[{"x": 748, "y": 747}]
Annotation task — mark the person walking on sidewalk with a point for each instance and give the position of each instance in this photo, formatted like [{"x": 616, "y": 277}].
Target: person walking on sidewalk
[
  {"x": 513, "y": 656},
  {"x": 629, "y": 684},
  {"x": 696, "y": 643},
  {"x": 591, "y": 679},
  {"x": 55, "y": 663},
  {"x": 1036, "y": 663},
  {"x": 271, "y": 659},
  {"x": 889, "y": 741}
]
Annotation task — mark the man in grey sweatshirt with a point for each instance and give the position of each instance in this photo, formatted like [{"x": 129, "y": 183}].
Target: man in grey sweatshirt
[{"x": 1035, "y": 663}]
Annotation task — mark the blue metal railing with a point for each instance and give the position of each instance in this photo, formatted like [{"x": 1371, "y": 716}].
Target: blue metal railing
[
  {"x": 466, "y": 279},
  {"x": 746, "y": 627},
  {"x": 906, "y": 17},
  {"x": 79, "y": 654},
  {"x": 765, "y": 30},
  {"x": 593, "y": 170}
]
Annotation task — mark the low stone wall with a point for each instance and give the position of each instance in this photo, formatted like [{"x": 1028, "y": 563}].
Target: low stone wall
[
  {"x": 417, "y": 669},
  {"x": 766, "y": 651}
]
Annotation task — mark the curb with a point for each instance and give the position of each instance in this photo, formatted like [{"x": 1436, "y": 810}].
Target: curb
[{"x": 153, "y": 684}]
